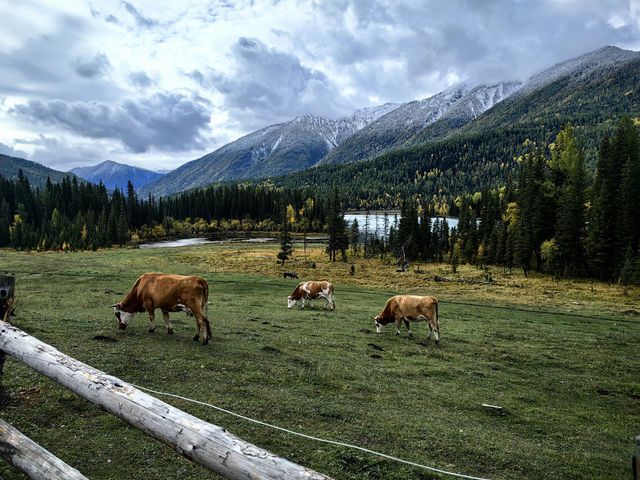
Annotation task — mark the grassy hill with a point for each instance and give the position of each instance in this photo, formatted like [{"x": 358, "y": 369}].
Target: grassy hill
[{"x": 565, "y": 372}]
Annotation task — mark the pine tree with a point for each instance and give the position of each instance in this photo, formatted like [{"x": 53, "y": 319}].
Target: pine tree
[
  {"x": 286, "y": 242},
  {"x": 338, "y": 239},
  {"x": 570, "y": 222},
  {"x": 354, "y": 236}
]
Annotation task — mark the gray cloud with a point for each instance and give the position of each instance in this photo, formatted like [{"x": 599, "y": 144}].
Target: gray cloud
[
  {"x": 95, "y": 67},
  {"x": 140, "y": 19},
  {"x": 141, "y": 79},
  {"x": 268, "y": 86},
  {"x": 164, "y": 121},
  {"x": 11, "y": 152}
]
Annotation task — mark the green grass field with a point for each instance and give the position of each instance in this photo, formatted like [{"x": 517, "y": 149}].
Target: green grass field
[{"x": 569, "y": 384}]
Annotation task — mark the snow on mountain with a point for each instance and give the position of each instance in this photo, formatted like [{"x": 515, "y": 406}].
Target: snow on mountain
[
  {"x": 450, "y": 109},
  {"x": 273, "y": 150},
  {"x": 579, "y": 68}
]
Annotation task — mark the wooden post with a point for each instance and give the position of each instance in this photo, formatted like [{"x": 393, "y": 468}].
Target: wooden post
[
  {"x": 199, "y": 441},
  {"x": 31, "y": 459},
  {"x": 7, "y": 287}
]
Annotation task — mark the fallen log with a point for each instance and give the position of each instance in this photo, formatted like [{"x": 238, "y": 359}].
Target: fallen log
[
  {"x": 199, "y": 441},
  {"x": 438, "y": 278},
  {"x": 35, "y": 462}
]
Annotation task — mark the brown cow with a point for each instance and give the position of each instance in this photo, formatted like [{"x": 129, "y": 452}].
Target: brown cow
[
  {"x": 311, "y": 291},
  {"x": 410, "y": 308},
  {"x": 169, "y": 293}
]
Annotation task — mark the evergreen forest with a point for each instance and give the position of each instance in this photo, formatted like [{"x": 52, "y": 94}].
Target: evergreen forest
[{"x": 543, "y": 208}]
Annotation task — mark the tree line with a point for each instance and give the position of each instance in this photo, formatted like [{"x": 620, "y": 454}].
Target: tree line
[
  {"x": 73, "y": 215},
  {"x": 557, "y": 219}
]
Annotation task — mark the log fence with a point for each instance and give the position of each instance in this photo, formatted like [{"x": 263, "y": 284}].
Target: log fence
[{"x": 201, "y": 442}]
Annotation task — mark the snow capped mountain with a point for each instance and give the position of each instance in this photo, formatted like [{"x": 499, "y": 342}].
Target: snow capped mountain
[
  {"x": 273, "y": 150},
  {"x": 309, "y": 140},
  {"x": 115, "y": 174},
  {"x": 420, "y": 121},
  {"x": 468, "y": 107},
  {"x": 579, "y": 68}
]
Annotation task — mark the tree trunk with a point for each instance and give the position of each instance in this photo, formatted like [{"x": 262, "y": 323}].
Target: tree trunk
[
  {"x": 31, "y": 459},
  {"x": 199, "y": 441}
]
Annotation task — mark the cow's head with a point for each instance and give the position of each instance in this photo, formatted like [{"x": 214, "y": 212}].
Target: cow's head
[
  {"x": 380, "y": 322},
  {"x": 291, "y": 302},
  {"x": 123, "y": 318}
]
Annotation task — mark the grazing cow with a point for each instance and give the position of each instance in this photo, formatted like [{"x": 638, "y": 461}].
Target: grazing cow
[
  {"x": 410, "y": 308},
  {"x": 311, "y": 291},
  {"x": 290, "y": 275},
  {"x": 169, "y": 293}
]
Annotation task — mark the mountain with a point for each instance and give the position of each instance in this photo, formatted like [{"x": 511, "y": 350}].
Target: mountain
[
  {"x": 36, "y": 173},
  {"x": 592, "y": 91},
  {"x": 444, "y": 111},
  {"x": 593, "y": 94},
  {"x": 115, "y": 174},
  {"x": 274, "y": 150},
  {"x": 572, "y": 91}
]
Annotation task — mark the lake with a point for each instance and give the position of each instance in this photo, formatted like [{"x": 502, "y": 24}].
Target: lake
[{"x": 376, "y": 221}]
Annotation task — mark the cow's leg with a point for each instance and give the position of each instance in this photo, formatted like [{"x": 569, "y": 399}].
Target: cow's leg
[
  {"x": 326, "y": 302},
  {"x": 430, "y": 330},
  {"x": 398, "y": 325},
  {"x": 204, "y": 328},
  {"x": 303, "y": 302},
  {"x": 436, "y": 330},
  {"x": 152, "y": 319},
  {"x": 311, "y": 302},
  {"x": 165, "y": 315},
  {"x": 406, "y": 324}
]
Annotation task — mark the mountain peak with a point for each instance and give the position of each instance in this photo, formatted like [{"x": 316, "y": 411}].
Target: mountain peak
[{"x": 114, "y": 174}]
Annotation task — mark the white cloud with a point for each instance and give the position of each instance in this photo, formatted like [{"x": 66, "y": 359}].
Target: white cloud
[{"x": 141, "y": 78}]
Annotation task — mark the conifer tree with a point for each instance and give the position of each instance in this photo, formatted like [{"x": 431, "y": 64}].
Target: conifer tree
[
  {"x": 570, "y": 222},
  {"x": 338, "y": 239},
  {"x": 286, "y": 242}
]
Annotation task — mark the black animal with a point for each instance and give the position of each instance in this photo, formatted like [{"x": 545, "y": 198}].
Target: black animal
[{"x": 290, "y": 275}]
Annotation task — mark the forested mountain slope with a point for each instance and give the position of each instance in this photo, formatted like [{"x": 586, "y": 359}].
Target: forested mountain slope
[
  {"x": 488, "y": 148},
  {"x": 35, "y": 172}
]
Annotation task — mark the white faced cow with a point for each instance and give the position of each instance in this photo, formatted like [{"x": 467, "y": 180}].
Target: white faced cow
[
  {"x": 169, "y": 293},
  {"x": 312, "y": 291},
  {"x": 410, "y": 308}
]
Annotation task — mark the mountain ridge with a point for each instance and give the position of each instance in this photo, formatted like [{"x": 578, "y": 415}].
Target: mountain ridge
[{"x": 116, "y": 175}]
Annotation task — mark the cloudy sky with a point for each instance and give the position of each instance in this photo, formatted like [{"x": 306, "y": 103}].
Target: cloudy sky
[{"x": 156, "y": 83}]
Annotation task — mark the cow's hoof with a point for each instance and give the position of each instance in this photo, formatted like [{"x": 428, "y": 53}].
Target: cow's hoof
[
  {"x": 152, "y": 330},
  {"x": 437, "y": 342},
  {"x": 196, "y": 337},
  {"x": 205, "y": 341},
  {"x": 170, "y": 331}
]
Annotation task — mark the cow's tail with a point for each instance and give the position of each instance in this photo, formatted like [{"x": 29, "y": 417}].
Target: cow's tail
[
  {"x": 205, "y": 296},
  {"x": 437, "y": 321}
]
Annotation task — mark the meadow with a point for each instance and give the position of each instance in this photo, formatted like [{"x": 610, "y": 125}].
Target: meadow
[{"x": 560, "y": 357}]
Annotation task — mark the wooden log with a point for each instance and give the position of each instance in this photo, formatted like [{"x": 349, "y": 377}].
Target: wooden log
[
  {"x": 199, "y": 441},
  {"x": 31, "y": 459}
]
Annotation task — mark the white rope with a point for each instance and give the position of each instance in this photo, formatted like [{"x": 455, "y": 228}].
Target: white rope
[{"x": 331, "y": 442}]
